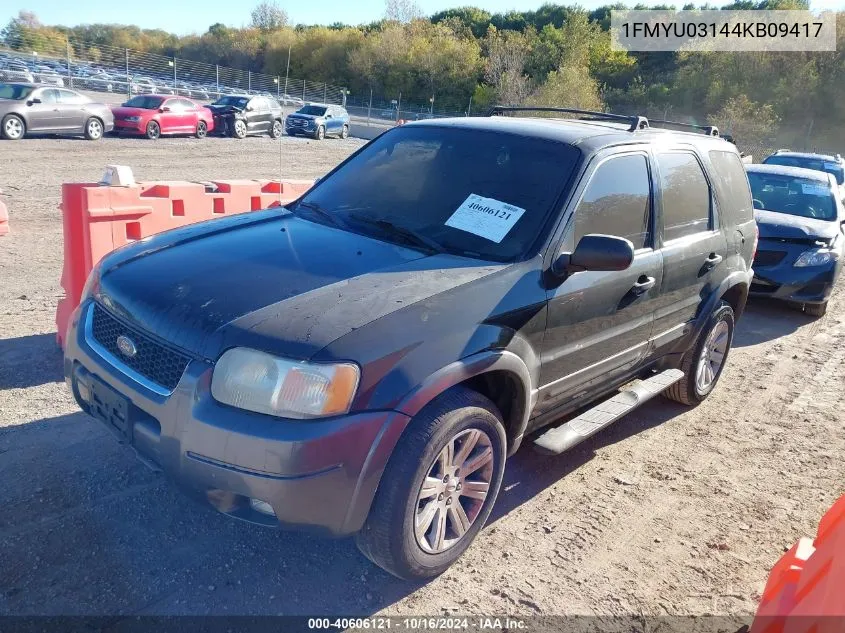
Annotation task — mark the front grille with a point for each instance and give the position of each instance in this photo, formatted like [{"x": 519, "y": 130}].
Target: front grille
[
  {"x": 298, "y": 123},
  {"x": 764, "y": 286},
  {"x": 153, "y": 360},
  {"x": 768, "y": 258}
]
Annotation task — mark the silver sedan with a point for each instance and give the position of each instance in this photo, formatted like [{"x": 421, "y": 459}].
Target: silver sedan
[{"x": 27, "y": 108}]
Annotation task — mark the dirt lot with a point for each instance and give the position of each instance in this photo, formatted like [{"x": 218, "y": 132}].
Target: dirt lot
[{"x": 671, "y": 511}]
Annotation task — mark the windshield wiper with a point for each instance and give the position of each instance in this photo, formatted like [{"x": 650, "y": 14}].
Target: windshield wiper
[
  {"x": 410, "y": 236},
  {"x": 320, "y": 211}
]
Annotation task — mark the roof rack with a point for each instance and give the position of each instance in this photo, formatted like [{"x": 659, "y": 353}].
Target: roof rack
[
  {"x": 636, "y": 122},
  {"x": 709, "y": 130}
]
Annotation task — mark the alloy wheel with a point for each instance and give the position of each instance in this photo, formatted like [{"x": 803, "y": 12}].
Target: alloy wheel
[
  {"x": 453, "y": 491},
  {"x": 95, "y": 129},
  {"x": 712, "y": 356},
  {"x": 13, "y": 128}
]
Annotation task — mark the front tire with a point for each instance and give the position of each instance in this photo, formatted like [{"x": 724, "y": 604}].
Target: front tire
[
  {"x": 320, "y": 133},
  {"x": 239, "y": 129},
  {"x": 345, "y": 133},
  {"x": 13, "y": 127},
  {"x": 202, "y": 129},
  {"x": 276, "y": 129},
  {"x": 94, "y": 129},
  {"x": 704, "y": 361},
  {"x": 438, "y": 488},
  {"x": 153, "y": 131}
]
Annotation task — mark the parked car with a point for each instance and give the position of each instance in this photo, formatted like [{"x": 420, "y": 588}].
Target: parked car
[
  {"x": 241, "y": 115},
  {"x": 142, "y": 85},
  {"x": 16, "y": 74},
  {"x": 33, "y": 109},
  {"x": 833, "y": 165},
  {"x": 50, "y": 78},
  {"x": 800, "y": 217},
  {"x": 318, "y": 120},
  {"x": 364, "y": 360},
  {"x": 154, "y": 115}
]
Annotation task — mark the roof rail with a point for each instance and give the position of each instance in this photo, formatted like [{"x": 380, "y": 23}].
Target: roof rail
[
  {"x": 709, "y": 130},
  {"x": 636, "y": 122}
]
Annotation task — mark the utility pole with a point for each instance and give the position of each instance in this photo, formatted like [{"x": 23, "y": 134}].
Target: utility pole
[{"x": 287, "y": 72}]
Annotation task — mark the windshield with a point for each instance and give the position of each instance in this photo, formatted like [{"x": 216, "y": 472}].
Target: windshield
[
  {"x": 818, "y": 164},
  {"x": 482, "y": 194},
  {"x": 14, "y": 91},
  {"x": 313, "y": 110},
  {"x": 238, "y": 102},
  {"x": 144, "y": 102},
  {"x": 795, "y": 196}
]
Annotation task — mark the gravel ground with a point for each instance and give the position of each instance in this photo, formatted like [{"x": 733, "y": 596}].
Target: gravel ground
[{"x": 670, "y": 511}]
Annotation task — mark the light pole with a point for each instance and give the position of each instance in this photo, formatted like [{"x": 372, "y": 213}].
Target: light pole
[{"x": 431, "y": 110}]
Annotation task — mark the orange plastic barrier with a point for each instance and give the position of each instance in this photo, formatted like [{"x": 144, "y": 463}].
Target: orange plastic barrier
[
  {"x": 98, "y": 219},
  {"x": 805, "y": 592},
  {"x": 4, "y": 219}
]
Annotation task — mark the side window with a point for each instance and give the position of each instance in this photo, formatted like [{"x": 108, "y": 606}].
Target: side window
[
  {"x": 617, "y": 201},
  {"x": 185, "y": 104},
  {"x": 732, "y": 187},
  {"x": 686, "y": 195},
  {"x": 67, "y": 97},
  {"x": 48, "y": 96},
  {"x": 258, "y": 104},
  {"x": 173, "y": 105}
]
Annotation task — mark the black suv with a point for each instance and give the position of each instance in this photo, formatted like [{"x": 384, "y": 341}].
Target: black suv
[
  {"x": 242, "y": 115},
  {"x": 364, "y": 360}
]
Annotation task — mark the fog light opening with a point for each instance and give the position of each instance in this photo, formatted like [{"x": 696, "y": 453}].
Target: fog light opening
[
  {"x": 84, "y": 392},
  {"x": 262, "y": 506}
]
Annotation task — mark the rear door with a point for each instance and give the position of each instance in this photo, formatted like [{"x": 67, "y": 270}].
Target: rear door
[
  {"x": 599, "y": 323},
  {"x": 72, "y": 110},
  {"x": 692, "y": 242},
  {"x": 190, "y": 115}
]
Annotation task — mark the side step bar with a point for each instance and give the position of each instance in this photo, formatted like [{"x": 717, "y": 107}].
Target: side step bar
[{"x": 565, "y": 436}]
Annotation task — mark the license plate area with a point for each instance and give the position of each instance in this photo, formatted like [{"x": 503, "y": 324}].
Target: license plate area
[{"x": 112, "y": 408}]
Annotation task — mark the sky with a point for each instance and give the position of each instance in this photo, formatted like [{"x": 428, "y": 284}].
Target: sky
[{"x": 184, "y": 17}]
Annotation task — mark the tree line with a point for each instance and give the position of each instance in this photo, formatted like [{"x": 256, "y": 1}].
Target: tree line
[{"x": 468, "y": 58}]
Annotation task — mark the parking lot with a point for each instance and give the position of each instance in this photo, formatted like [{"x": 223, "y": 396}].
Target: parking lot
[{"x": 670, "y": 511}]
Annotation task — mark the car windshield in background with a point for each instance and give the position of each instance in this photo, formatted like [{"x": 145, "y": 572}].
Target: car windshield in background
[
  {"x": 145, "y": 103},
  {"x": 476, "y": 193},
  {"x": 313, "y": 110},
  {"x": 14, "y": 91},
  {"x": 795, "y": 196},
  {"x": 829, "y": 167},
  {"x": 238, "y": 102}
]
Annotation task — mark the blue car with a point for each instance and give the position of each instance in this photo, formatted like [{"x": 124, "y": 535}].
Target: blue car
[{"x": 318, "y": 120}]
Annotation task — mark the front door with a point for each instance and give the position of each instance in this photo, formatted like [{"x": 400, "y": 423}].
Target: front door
[
  {"x": 44, "y": 116},
  {"x": 258, "y": 117},
  {"x": 599, "y": 323}
]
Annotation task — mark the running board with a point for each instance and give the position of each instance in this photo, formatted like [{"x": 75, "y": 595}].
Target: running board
[{"x": 565, "y": 436}]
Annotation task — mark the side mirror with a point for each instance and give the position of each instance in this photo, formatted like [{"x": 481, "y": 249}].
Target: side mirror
[
  {"x": 596, "y": 252},
  {"x": 33, "y": 101},
  {"x": 164, "y": 109}
]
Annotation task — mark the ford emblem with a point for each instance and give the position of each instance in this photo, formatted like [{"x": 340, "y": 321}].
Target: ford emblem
[{"x": 126, "y": 346}]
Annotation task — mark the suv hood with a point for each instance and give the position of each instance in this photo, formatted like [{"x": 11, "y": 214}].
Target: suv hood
[
  {"x": 784, "y": 226},
  {"x": 223, "y": 109},
  {"x": 307, "y": 117},
  {"x": 270, "y": 281}
]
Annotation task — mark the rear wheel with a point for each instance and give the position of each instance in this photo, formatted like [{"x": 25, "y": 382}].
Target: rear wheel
[
  {"x": 703, "y": 363},
  {"x": 816, "y": 309},
  {"x": 320, "y": 133},
  {"x": 438, "y": 488},
  {"x": 202, "y": 129},
  {"x": 94, "y": 129},
  {"x": 13, "y": 127},
  {"x": 153, "y": 130},
  {"x": 239, "y": 129},
  {"x": 276, "y": 129}
]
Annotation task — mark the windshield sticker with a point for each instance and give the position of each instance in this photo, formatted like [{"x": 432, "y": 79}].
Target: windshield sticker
[
  {"x": 814, "y": 190},
  {"x": 485, "y": 217}
]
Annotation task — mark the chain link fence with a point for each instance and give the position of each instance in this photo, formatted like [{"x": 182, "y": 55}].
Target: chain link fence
[{"x": 124, "y": 72}]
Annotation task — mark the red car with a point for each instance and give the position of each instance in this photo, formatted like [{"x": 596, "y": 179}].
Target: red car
[{"x": 154, "y": 115}]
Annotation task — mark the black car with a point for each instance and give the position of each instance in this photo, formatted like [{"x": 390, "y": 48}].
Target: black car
[
  {"x": 364, "y": 360},
  {"x": 800, "y": 217},
  {"x": 243, "y": 115}
]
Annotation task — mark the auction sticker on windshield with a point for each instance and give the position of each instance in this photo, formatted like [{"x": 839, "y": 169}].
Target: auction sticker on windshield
[
  {"x": 814, "y": 190},
  {"x": 486, "y": 217}
]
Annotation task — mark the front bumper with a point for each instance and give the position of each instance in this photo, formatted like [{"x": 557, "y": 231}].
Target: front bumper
[
  {"x": 129, "y": 127},
  {"x": 319, "y": 475},
  {"x": 802, "y": 285}
]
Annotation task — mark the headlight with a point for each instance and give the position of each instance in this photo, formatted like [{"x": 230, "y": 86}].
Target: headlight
[
  {"x": 132, "y": 119},
  {"x": 92, "y": 284},
  {"x": 818, "y": 257},
  {"x": 259, "y": 382}
]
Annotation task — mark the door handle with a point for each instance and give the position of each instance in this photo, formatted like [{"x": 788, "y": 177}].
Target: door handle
[
  {"x": 643, "y": 285},
  {"x": 713, "y": 260}
]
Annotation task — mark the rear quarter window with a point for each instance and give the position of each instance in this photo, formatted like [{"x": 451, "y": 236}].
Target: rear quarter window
[{"x": 731, "y": 182}]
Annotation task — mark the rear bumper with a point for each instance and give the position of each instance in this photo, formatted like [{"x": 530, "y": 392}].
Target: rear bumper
[{"x": 319, "y": 475}]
